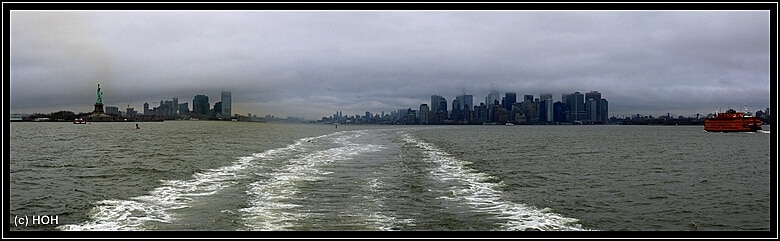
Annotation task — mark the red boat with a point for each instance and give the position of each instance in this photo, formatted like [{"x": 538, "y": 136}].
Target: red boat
[{"x": 732, "y": 121}]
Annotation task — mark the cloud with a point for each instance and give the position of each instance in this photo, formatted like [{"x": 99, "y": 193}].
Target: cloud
[{"x": 313, "y": 63}]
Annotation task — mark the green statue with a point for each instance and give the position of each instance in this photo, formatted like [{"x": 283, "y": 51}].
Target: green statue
[{"x": 100, "y": 95}]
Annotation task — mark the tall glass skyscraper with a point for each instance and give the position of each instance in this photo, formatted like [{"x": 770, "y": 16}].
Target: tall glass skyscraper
[
  {"x": 200, "y": 104},
  {"x": 593, "y": 106},
  {"x": 435, "y": 100},
  {"x": 546, "y": 108},
  {"x": 510, "y": 98},
  {"x": 467, "y": 102},
  {"x": 226, "y": 104},
  {"x": 175, "y": 105},
  {"x": 576, "y": 102},
  {"x": 424, "y": 113}
]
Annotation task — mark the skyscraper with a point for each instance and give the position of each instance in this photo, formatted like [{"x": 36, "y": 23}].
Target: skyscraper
[
  {"x": 559, "y": 108},
  {"x": 467, "y": 102},
  {"x": 456, "y": 108},
  {"x": 424, "y": 113},
  {"x": 491, "y": 100},
  {"x": 604, "y": 110},
  {"x": 438, "y": 110},
  {"x": 441, "y": 113},
  {"x": 175, "y": 105},
  {"x": 492, "y": 97},
  {"x": 200, "y": 105},
  {"x": 576, "y": 104},
  {"x": 167, "y": 107},
  {"x": 546, "y": 108},
  {"x": 184, "y": 109},
  {"x": 435, "y": 103},
  {"x": 226, "y": 104},
  {"x": 528, "y": 98},
  {"x": 217, "y": 111},
  {"x": 510, "y": 98},
  {"x": 593, "y": 106}
]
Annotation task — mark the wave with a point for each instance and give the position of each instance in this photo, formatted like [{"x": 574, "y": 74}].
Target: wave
[
  {"x": 135, "y": 213},
  {"x": 482, "y": 193},
  {"x": 271, "y": 206}
]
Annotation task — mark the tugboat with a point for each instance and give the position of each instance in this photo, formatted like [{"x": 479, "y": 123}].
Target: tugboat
[{"x": 732, "y": 121}]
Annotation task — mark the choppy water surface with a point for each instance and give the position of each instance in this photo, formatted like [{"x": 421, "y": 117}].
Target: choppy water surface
[{"x": 207, "y": 175}]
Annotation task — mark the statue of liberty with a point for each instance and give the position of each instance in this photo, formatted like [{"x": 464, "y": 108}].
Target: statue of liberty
[{"x": 99, "y": 95}]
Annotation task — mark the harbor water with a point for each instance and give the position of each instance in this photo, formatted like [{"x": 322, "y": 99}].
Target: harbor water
[{"x": 235, "y": 176}]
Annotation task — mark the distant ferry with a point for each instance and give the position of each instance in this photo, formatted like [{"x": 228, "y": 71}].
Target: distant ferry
[
  {"x": 732, "y": 121},
  {"x": 79, "y": 121}
]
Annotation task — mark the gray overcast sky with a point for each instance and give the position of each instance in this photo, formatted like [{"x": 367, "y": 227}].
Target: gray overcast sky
[{"x": 312, "y": 63}]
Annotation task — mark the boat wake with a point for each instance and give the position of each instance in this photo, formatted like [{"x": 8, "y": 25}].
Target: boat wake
[
  {"x": 271, "y": 204},
  {"x": 137, "y": 212},
  {"x": 274, "y": 195},
  {"x": 479, "y": 192}
]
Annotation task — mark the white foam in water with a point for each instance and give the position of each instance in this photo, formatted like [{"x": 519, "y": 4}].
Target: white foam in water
[
  {"x": 485, "y": 196},
  {"x": 269, "y": 200},
  {"x": 384, "y": 220},
  {"x": 174, "y": 194}
]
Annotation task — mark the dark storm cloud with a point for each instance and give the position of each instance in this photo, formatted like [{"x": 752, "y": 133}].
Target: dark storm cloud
[{"x": 313, "y": 63}]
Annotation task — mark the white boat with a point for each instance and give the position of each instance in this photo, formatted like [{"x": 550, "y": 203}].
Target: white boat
[
  {"x": 509, "y": 124},
  {"x": 79, "y": 121}
]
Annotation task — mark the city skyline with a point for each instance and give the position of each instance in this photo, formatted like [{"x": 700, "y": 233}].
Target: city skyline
[{"x": 311, "y": 63}]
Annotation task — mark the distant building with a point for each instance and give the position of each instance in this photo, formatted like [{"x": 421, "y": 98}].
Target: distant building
[
  {"x": 112, "y": 110},
  {"x": 546, "y": 108},
  {"x": 146, "y": 109},
  {"x": 529, "y": 98},
  {"x": 510, "y": 98},
  {"x": 183, "y": 108},
  {"x": 529, "y": 112},
  {"x": 226, "y": 104},
  {"x": 462, "y": 108},
  {"x": 491, "y": 100},
  {"x": 576, "y": 102},
  {"x": 130, "y": 112},
  {"x": 424, "y": 119},
  {"x": 480, "y": 113},
  {"x": 200, "y": 104},
  {"x": 217, "y": 111},
  {"x": 604, "y": 110},
  {"x": 593, "y": 106},
  {"x": 435, "y": 100},
  {"x": 500, "y": 115},
  {"x": 408, "y": 116},
  {"x": 467, "y": 102},
  {"x": 438, "y": 109},
  {"x": 167, "y": 108},
  {"x": 175, "y": 105},
  {"x": 559, "y": 110},
  {"x": 456, "y": 113}
]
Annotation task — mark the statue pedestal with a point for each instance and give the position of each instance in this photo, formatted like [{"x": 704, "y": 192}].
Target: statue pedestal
[{"x": 98, "y": 108}]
